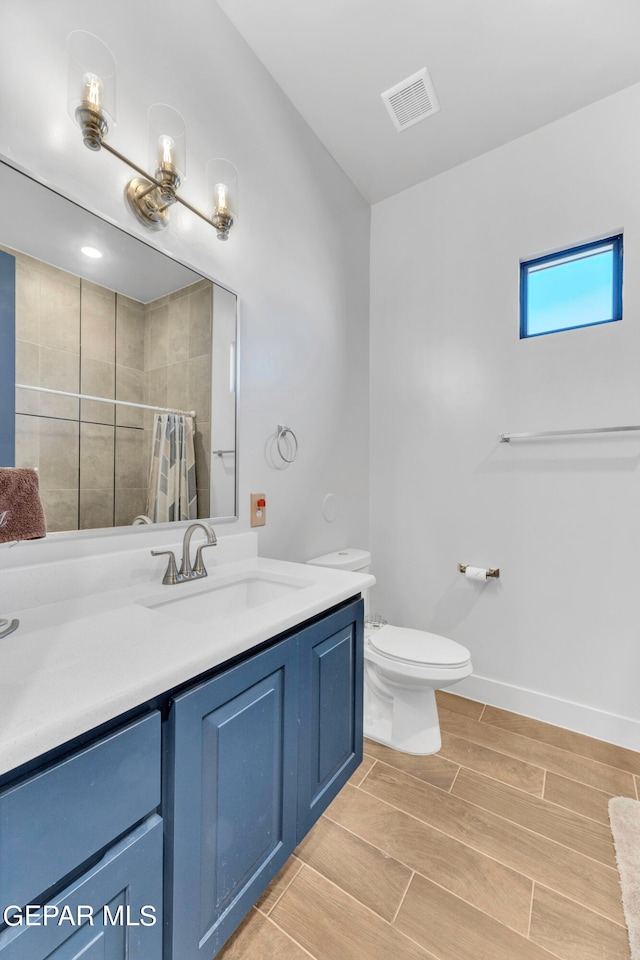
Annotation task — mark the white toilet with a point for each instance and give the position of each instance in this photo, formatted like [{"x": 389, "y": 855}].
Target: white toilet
[{"x": 402, "y": 670}]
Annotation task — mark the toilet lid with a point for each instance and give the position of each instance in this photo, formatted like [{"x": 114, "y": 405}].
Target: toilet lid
[{"x": 418, "y": 646}]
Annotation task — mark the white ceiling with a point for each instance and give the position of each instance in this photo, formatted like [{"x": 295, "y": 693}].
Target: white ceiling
[{"x": 501, "y": 68}]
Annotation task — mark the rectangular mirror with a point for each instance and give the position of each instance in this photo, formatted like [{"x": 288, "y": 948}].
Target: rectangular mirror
[{"x": 118, "y": 369}]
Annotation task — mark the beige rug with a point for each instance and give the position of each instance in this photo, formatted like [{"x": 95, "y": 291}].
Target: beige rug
[{"x": 624, "y": 816}]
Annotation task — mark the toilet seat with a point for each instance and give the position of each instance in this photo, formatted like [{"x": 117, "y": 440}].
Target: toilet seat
[{"x": 418, "y": 647}]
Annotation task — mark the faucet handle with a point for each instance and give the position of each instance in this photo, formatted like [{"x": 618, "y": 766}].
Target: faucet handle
[
  {"x": 199, "y": 568},
  {"x": 171, "y": 575}
]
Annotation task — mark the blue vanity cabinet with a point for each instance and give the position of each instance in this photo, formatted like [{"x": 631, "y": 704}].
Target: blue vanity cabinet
[
  {"x": 81, "y": 853},
  {"x": 255, "y": 755},
  {"x": 231, "y": 817},
  {"x": 113, "y": 912},
  {"x": 330, "y": 690}
]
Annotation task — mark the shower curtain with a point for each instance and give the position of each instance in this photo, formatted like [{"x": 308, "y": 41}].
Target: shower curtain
[{"x": 172, "y": 478}]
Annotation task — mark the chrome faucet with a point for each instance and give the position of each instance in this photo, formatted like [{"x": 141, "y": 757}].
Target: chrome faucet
[{"x": 186, "y": 571}]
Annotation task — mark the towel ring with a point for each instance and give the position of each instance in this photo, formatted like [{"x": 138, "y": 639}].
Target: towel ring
[{"x": 282, "y": 432}]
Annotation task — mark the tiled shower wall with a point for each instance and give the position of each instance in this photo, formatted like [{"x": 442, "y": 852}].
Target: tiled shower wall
[{"x": 74, "y": 335}]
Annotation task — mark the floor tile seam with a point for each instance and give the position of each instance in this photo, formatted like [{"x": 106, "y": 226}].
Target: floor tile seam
[
  {"x": 455, "y": 778},
  {"x": 542, "y": 799},
  {"x": 477, "y": 850},
  {"x": 502, "y": 753},
  {"x": 364, "y": 906},
  {"x": 473, "y": 803},
  {"x": 353, "y": 833},
  {"x": 289, "y": 937},
  {"x": 403, "y": 897},
  {"x": 537, "y": 833},
  {"x": 430, "y": 826},
  {"x": 509, "y": 786},
  {"x": 389, "y": 763},
  {"x": 506, "y": 753},
  {"x": 413, "y": 776},
  {"x": 578, "y": 903},
  {"x": 483, "y": 852},
  {"x": 375, "y": 846},
  {"x": 473, "y": 906},
  {"x": 554, "y": 746},
  {"x": 282, "y": 892},
  {"x": 562, "y": 806},
  {"x": 533, "y": 890},
  {"x": 375, "y": 760}
]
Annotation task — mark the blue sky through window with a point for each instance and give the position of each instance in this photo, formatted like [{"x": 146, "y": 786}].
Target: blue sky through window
[{"x": 571, "y": 290}]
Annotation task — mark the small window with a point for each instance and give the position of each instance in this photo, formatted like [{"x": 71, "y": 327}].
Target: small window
[{"x": 573, "y": 288}]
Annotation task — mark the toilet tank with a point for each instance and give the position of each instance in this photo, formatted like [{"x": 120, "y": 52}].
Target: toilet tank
[{"x": 348, "y": 559}]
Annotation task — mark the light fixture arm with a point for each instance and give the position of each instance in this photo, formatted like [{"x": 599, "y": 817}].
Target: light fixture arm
[{"x": 156, "y": 183}]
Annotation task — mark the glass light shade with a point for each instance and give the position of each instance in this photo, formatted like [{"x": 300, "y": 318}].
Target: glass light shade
[
  {"x": 167, "y": 144},
  {"x": 222, "y": 195},
  {"x": 91, "y": 82}
]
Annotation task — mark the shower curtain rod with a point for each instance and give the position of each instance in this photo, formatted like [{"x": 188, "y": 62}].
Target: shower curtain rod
[{"x": 120, "y": 403}]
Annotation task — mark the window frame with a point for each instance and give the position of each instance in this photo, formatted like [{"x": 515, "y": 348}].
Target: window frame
[{"x": 616, "y": 240}]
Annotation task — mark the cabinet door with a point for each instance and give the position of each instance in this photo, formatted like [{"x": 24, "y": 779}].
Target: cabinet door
[
  {"x": 231, "y": 818},
  {"x": 113, "y": 912},
  {"x": 331, "y": 679}
]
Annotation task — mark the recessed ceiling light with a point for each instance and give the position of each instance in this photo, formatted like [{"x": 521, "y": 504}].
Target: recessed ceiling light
[{"x": 91, "y": 252}]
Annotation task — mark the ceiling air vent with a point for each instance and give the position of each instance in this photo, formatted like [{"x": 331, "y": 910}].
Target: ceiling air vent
[{"x": 412, "y": 100}]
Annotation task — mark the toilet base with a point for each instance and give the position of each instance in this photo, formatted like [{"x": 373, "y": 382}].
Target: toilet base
[{"x": 408, "y": 723}]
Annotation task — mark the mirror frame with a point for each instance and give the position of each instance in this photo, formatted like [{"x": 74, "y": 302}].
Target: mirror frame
[{"x": 175, "y": 525}]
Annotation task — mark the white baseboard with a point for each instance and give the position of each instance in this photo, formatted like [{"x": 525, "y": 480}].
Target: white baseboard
[{"x": 562, "y": 713}]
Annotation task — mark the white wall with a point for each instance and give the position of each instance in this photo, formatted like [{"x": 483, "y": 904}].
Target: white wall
[
  {"x": 559, "y": 635},
  {"x": 298, "y": 256}
]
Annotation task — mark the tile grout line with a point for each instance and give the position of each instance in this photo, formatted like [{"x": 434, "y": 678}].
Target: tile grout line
[
  {"x": 544, "y": 836},
  {"x": 469, "y": 903},
  {"x": 512, "y": 822},
  {"x": 457, "y": 736},
  {"x": 533, "y": 892},
  {"x": 282, "y": 893},
  {"x": 509, "y": 786},
  {"x": 565, "y": 775},
  {"x": 430, "y": 826},
  {"x": 289, "y": 937},
  {"x": 428, "y": 954},
  {"x": 403, "y": 897},
  {"x": 554, "y": 746},
  {"x": 415, "y": 872},
  {"x": 454, "y": 779}
]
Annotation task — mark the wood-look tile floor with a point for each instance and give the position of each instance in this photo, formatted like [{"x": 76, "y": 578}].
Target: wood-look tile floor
[{"x": 496, "y": 848}]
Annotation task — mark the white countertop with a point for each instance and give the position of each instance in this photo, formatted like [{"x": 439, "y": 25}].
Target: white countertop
[{"x": 76, "y": 663}]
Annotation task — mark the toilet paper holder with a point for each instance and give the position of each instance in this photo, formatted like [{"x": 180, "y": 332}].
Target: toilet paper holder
[{"x": 493, "y": 572}]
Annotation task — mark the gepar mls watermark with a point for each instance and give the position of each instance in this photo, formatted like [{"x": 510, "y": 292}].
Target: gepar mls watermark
[{"x": 49, "y": 915}]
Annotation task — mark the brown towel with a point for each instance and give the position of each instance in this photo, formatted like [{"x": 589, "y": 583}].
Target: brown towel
[{"x": 21, "y": 513}]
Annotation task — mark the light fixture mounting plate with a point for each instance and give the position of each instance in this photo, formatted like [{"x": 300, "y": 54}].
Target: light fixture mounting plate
[{"x": 144, "y": 202}]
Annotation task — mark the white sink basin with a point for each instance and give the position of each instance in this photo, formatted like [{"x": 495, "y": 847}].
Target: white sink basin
[{"x": 205, "y": 600}]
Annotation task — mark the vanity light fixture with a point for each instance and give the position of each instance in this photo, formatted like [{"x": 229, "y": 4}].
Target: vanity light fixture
[{"x": 92, "y": 80}]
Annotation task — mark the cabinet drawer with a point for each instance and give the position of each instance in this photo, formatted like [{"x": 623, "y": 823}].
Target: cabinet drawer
[
  {"x": 113, "y": 912},
  {"x": 56, "y": 820}
]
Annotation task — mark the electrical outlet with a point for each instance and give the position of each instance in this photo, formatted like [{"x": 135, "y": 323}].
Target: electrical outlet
[{"x": 258, "y": 510}]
